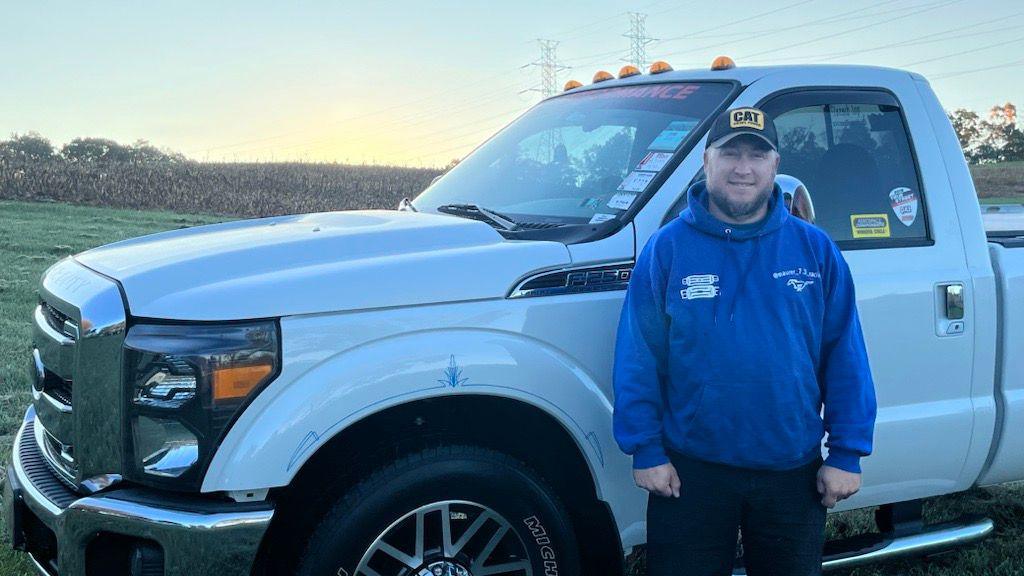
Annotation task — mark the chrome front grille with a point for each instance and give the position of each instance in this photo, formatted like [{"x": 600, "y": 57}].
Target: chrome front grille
[
  {"x": 78, "y": 331},
  {"x": 58, "y": 456},
  {"x": 57, "y": 390},
  {"x": 59, "y": 321}
]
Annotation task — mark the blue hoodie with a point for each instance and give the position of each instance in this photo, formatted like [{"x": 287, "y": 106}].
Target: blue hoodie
[{"x": 731, "y": 339}]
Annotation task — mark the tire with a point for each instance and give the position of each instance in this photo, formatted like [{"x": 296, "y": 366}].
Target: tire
[{"x": 499, "y": 513}]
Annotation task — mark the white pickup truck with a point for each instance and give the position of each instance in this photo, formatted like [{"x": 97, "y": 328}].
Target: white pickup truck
[{"x": 428, "y": 391}]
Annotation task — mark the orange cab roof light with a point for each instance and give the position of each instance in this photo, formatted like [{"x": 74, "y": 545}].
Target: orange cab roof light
[
  {"x": 572, "y": 84},
  {"x": 628, "y": 70},
  {"x": 723, "y": 63},
  {"x": 601, "y": 76},
  {"x": 659, "y": 67}
]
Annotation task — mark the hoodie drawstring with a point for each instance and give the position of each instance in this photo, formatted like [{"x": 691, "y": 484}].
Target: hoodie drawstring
[{"x": 742, "y": 284}]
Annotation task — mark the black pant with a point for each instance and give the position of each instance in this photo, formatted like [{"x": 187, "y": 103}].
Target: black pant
[{"x": 779, "y": 513}]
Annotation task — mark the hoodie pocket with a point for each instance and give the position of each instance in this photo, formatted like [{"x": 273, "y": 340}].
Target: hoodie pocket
[{"x": 756, "y": 422}]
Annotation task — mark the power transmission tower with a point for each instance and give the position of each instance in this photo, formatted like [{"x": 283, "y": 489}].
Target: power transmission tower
[
  {"x": 638, "y": 40},
  {"x": 549, "y": 67}
]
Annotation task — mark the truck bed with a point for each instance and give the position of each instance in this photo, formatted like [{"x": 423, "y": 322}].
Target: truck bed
[{"x": 1006, "y": 248}]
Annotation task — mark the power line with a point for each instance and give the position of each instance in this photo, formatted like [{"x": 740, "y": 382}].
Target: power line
[
  {"x": 851, "y": 30},
  {"x": 940, "y": 36},
  {"x": 997, "y": 44},
  {"x": 855, "y": 14},
  {"x": 440, "y": 93},
  {"x": 412, "y": 118},
  {"x": 740, "y": 21},
  {"x": 466, "y": 134},
  {"x": 973, "y": 70}
]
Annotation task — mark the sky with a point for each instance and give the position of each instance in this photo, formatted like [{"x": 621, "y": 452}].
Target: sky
[{"x": 421, "y": 83}]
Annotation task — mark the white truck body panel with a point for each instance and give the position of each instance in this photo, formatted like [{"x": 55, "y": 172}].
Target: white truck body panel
[
  {"x": 1007, "y": 457},
  {"x": 311, "y": 263}
]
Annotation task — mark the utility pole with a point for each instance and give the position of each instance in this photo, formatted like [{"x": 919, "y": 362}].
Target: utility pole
[
  {"x": 638, "y": 40},
  {"x": 549, "y": 67}
]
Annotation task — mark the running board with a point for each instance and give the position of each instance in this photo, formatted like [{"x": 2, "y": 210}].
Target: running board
[{"x": 876, "y": 547}]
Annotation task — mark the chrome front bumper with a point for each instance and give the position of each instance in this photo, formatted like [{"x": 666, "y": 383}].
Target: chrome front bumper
[{"x": 57, "y": 526}]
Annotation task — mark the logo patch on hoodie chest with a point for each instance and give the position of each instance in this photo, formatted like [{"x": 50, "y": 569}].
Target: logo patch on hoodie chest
[
  {"x": 699, "y": 286},
  {"x": 798, "y": 278}
]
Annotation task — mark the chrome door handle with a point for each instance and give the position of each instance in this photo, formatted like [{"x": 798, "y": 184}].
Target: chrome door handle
[{"x": 955, "y": 301}]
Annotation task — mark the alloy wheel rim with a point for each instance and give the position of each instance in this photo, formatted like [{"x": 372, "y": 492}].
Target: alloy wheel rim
[{"x": 447, "y": 538}]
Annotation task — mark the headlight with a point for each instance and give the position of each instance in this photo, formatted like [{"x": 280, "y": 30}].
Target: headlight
[{"x": 186, "y": 385}]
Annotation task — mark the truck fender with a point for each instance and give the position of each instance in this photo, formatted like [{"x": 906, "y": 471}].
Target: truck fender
[{"x": 306, "y": 406}]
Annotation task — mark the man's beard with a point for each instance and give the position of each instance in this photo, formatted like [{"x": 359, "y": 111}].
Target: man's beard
[{"x": 740, "y": 211}]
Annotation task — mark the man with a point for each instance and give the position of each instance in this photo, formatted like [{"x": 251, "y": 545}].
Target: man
[{"x": 739, "y": 322}]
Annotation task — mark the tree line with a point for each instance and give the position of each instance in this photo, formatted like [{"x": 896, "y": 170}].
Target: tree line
[
  {"x": 33, "y": 147},
  {"x": 995, "y": 138}
]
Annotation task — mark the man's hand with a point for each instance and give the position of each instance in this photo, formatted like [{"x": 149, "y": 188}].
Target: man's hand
[
  {"x": 662, "y": 480},
  {"x": 835, "y": 485}
]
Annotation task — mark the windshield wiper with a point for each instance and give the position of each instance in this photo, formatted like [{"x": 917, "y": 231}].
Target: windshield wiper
[{"x": 472, "y": 209}]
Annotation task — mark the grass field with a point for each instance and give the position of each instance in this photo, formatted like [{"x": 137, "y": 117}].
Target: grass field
[
  {"x": 32, "y": 237},
  {"x": 1002, "y": 181},
  {"x": 35, "y": 235}
]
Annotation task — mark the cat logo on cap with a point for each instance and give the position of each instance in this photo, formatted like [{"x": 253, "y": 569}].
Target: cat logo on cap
[{"x": 746, "y": 118}]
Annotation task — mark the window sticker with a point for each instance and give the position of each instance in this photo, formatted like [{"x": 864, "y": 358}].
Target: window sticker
[
  {"x": 598, "y": 218},
  {"x": 904, "y": 204},
  {"x": 870, "y": 225},
  {"x": 621, "y": 201},
  {"x": 636, "y": 181},
  {"x": 592, "y": 202},
  {"x": 672, "y": 136},
  {"x": 654, "y": 161}
]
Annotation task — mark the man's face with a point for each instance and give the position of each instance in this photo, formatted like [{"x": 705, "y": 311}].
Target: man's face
[{"x": 740, "y": 176}]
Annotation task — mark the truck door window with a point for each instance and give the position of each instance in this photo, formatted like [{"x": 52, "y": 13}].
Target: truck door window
[{"x": 852, "y": 152}]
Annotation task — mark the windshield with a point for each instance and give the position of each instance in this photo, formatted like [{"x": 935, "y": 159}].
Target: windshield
[{"x": 579, "y": 158}]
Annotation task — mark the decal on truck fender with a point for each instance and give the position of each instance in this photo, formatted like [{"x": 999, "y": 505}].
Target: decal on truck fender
[
  {"x": 452, "y": 374},
  {"x": 452, "y": 378}
]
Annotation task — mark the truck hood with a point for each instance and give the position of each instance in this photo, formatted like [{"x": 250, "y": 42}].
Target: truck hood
[{"x": 309, "y": 263}]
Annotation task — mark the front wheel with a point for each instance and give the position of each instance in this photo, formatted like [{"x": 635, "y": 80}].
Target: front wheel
[{"x": 448, "y": 511}]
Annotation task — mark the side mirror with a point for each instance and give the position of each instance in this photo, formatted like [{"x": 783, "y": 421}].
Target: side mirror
[{"x": 797, "y": 197}]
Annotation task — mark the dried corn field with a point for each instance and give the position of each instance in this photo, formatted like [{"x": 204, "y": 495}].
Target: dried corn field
[{"x": 238, "y": 189}]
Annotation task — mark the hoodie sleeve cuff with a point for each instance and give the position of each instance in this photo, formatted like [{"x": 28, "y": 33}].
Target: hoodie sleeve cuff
[
  {"x": 844, "y": 460},
  {"x": 649, "y": 456}
]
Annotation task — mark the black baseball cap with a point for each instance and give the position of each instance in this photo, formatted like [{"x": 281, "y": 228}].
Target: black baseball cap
[{"x": 738, "y": 121}]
